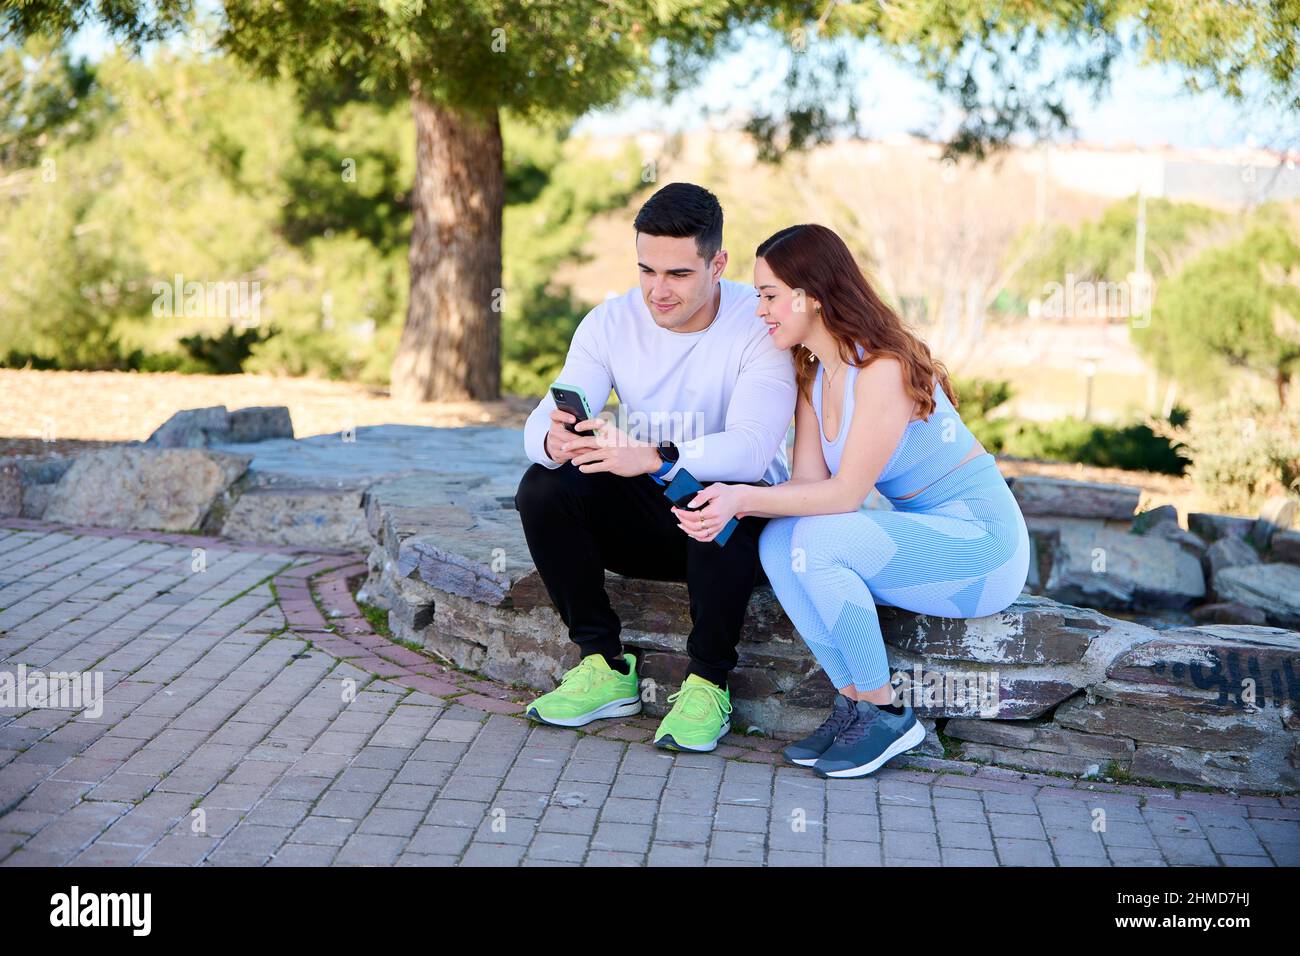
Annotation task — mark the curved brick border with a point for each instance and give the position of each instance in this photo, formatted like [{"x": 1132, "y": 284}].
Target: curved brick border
[{"x": 346, "y": 634}]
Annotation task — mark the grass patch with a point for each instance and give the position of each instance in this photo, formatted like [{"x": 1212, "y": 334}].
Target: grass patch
[{"x": 377, "y": 618}]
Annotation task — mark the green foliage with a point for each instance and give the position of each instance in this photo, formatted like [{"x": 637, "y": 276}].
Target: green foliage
[
  {"x": 1242, "y": 451},
  {"x": 1103, "y": 251},
  {"x": 189, "y": 166},
  {"x": 1007, "y": 67},
  {"x": 351, "y": 171},
  {"x": 1235, "y": 307},
  {"x": 553, "y": 193},
  {"x": 1134, "y": 446},
  {"x": 199, "y": 171},
  {"x": 976, "y": 397},
  {"x": 542, "y": 61},
  {"x": 226, "y": 353},
  {"x": 42, "y": 96}
]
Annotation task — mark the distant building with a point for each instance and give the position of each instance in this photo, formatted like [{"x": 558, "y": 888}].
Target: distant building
[{"x": 1234, "y": 178}]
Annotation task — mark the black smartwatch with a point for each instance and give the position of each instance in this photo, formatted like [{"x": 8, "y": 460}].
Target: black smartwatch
[{"x": 668, "y": 454}]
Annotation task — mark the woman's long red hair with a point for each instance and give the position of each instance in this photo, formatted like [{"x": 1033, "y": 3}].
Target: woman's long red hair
[{"x": 813, "y": 258}]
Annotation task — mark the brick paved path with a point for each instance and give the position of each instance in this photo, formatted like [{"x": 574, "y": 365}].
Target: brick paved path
[{"x": 241, "y": 726}]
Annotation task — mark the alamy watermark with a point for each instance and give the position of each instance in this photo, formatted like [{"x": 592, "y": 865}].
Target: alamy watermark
[
  {"x": 65, "y": 690},
  {"x": 679, "y": 427},
  {"x": 233, "y": 299},
  {"x": 965, "y": 692},
  {"x": 1092, "y": 299}
]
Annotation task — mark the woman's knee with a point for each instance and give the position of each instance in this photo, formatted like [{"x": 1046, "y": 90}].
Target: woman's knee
[
  {"x": 774, "y": 547},
  {"x": 1006, "y": 583},
  {"x": 826, "y": 539}
]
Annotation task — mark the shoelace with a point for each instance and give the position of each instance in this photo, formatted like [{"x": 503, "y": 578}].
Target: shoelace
[
  {"x": 855, "y": 730},
  {"x": 699, "y": 701},
  {"x": 578, "y": 679},
  {"x": 837, "y": 721}
]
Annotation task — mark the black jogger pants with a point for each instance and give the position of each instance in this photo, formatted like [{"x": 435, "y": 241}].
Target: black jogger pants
[{"x": 578, "y": 525}]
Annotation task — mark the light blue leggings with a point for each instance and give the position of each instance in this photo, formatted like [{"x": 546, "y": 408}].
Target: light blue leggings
[{"x": 958, "y": 549}]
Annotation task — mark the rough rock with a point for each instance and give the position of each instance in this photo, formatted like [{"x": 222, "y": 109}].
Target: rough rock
[
  {"x": 309, "y": 517},
  {"x": 1227, "y": 553},
  {"x": 191, "y": 428},
  {"x": 1285, "y": 547},
  {"x": 1040, "y": 735},
  {"x": 1039, "y": 495},
  {"x": 1180, "y": 536},
  {"x": 11, "y": 490},
  {"x": 205, "y": 427},
  {"x": 168, "y": 489},
  {"x": 1273, "y": 588},
  {"x": 1102, "y": 567},
  {"x": 1230, "y": 731},
  {"x": 1212, "y": 527},
  {"x": 1040, "y": 745},
  {"x": 1277, "y": 514},
  {"x": 25, "y": 484},
  {"x": 259, "y": 423},
  {"x": 1226, "y": 612},
  {"x": 1220, "y": 662},
  {"x": 1146, "y": 520}
]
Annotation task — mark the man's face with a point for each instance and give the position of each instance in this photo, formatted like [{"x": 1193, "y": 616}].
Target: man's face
[{"x": 675, "y": 281}]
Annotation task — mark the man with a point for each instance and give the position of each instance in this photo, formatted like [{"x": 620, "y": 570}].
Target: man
[{"x": 700, "y": 386}]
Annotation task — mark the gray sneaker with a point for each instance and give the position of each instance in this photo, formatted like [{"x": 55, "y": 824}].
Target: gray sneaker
[
  {"x": 806, "y": 752},
  {"x": 873, "y": 738}
]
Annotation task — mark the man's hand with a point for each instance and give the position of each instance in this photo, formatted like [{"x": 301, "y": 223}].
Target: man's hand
[
  {"x": 556, "y": 440},
  {"x": 612, "y": 449}
]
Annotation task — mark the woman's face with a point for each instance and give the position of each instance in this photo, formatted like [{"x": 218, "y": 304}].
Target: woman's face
[{"x": 789, "y": 313}]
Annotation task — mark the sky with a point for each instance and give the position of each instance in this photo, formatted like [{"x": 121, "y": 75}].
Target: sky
[{"x": 1145, "y": 106}]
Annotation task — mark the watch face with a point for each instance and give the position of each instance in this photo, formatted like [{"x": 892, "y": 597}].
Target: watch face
[{"x": 668, "y": 451}]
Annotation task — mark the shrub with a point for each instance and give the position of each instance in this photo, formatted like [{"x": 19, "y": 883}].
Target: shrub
[{"x": 1242, "y": 451}]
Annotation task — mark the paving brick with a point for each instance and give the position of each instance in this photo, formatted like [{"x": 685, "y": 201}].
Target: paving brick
[
  {"x": 671, "y": 854},
  {"x": 370, "y": 849},
  {"x": 848, "y": 853},
  {"x": 279, "y": 813},
  {"x": 622, "y": 837},
  {"x": 289, "y": 772},
  {"x": 391, "y": 822},
  {"x": 303, "y": 854},
  {"x": 493, "y": 854},
  {"x": 345, "y": 803},
  {"x": 456, "y": 813},
  {"x": 440, "y": 840},
  {"x": 730, "y": 845},
  {"x": 1014, "y": 851},
  {"x": 330, "y": 831}
]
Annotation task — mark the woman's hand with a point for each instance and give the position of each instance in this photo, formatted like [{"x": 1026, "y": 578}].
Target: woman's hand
[{"x": 722, "y": 502}]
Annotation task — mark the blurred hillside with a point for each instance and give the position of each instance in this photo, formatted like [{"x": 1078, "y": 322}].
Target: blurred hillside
[{"x": 963, "y": 248}]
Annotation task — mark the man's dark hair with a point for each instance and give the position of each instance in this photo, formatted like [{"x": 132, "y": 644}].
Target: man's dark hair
[{"x": 680, "y": 210}]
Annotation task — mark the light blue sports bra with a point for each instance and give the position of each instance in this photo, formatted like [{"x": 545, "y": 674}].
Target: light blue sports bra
[{"x": 922, "y": 456}]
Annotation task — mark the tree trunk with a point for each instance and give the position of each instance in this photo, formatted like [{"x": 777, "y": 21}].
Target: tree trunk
[{"x": 451, "y": 345}]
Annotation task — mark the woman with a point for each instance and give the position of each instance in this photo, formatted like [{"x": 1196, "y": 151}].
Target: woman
[{"x": 955, "y": 545}]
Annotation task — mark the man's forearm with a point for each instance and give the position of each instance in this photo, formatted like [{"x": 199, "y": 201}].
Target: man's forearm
[{"x": 734, "y": 454}]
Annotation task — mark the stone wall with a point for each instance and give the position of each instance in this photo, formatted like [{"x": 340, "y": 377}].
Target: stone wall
[{"x": 1140, "y": 646}]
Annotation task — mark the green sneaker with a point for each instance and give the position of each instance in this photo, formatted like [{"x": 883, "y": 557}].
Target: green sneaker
[
  {"x": 588, "y": 692},
  {"x": 699, "y": 718}
]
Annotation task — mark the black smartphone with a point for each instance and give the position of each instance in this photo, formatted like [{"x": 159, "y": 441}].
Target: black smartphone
[{"x": 571, "y": 399}]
